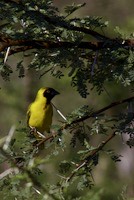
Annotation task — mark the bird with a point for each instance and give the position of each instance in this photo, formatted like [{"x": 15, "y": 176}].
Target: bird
[{"x": 40, "y": 112}]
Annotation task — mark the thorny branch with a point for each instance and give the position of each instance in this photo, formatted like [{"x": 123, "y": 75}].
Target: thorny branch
[
  {"x": 94, "y": 114},
  {"x": 35, "y": 182},
  {"x": 21, "y": 45},
  {"x": 56, "y": 21},
  {"x": 91, "y": 156}
]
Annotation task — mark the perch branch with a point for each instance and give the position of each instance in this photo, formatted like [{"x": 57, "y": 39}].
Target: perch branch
[{"x": 94, "y": 114}]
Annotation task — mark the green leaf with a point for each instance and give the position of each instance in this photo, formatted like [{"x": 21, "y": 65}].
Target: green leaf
[{"x": 72, "y": 8}]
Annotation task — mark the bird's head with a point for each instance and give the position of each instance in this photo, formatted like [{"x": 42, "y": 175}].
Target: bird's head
[{"x": 47, "y": 93}]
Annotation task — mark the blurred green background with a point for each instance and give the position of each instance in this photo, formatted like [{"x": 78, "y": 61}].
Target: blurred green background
[{"x": 16, "y": 94}]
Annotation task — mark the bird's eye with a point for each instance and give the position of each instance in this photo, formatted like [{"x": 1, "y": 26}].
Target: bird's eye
[{"x": 46, "y": 92}]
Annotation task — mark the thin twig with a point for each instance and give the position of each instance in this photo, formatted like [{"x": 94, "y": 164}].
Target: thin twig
[
  {"x": 46, "y": 71},
  {"x": 46, "y": 139},
  {"x": 108, "y": 93},
  {"x": 91, "y": 156},
  {"x": 94, "y": 63},
  {"x": 57, "y": 21},
  {"x": 9, "y": 171},
  {"x": 94, "y": 114}
]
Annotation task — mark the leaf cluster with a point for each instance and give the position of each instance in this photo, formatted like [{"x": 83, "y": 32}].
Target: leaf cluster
[{"x": 88, "y": 68}]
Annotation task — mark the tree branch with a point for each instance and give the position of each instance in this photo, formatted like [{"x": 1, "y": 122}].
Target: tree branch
[
  {"x": 101, "y": 43},
  {"x": 24, "y": 45},
  {"x": 28, "y": 172},
  {"x": 94, "y": 114},
  {"x": 57, "y": 21},
  {"x": 91, "y": 156}
]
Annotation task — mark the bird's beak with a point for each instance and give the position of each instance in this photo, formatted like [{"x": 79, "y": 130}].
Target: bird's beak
[{"x": 54, "y": 92}]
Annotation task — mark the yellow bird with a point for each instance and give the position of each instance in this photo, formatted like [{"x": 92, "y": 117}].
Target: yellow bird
[{"x": 40, "y": 112}]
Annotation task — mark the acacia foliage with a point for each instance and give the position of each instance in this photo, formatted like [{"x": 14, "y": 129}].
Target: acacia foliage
[{"x": 60, "y": 43}]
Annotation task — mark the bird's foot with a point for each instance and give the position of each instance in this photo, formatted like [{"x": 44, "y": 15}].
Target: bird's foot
[{"x": 36, "y": 133}]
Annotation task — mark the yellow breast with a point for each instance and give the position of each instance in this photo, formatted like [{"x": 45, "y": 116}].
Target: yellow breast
[{"x": 40, "y": 116}]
